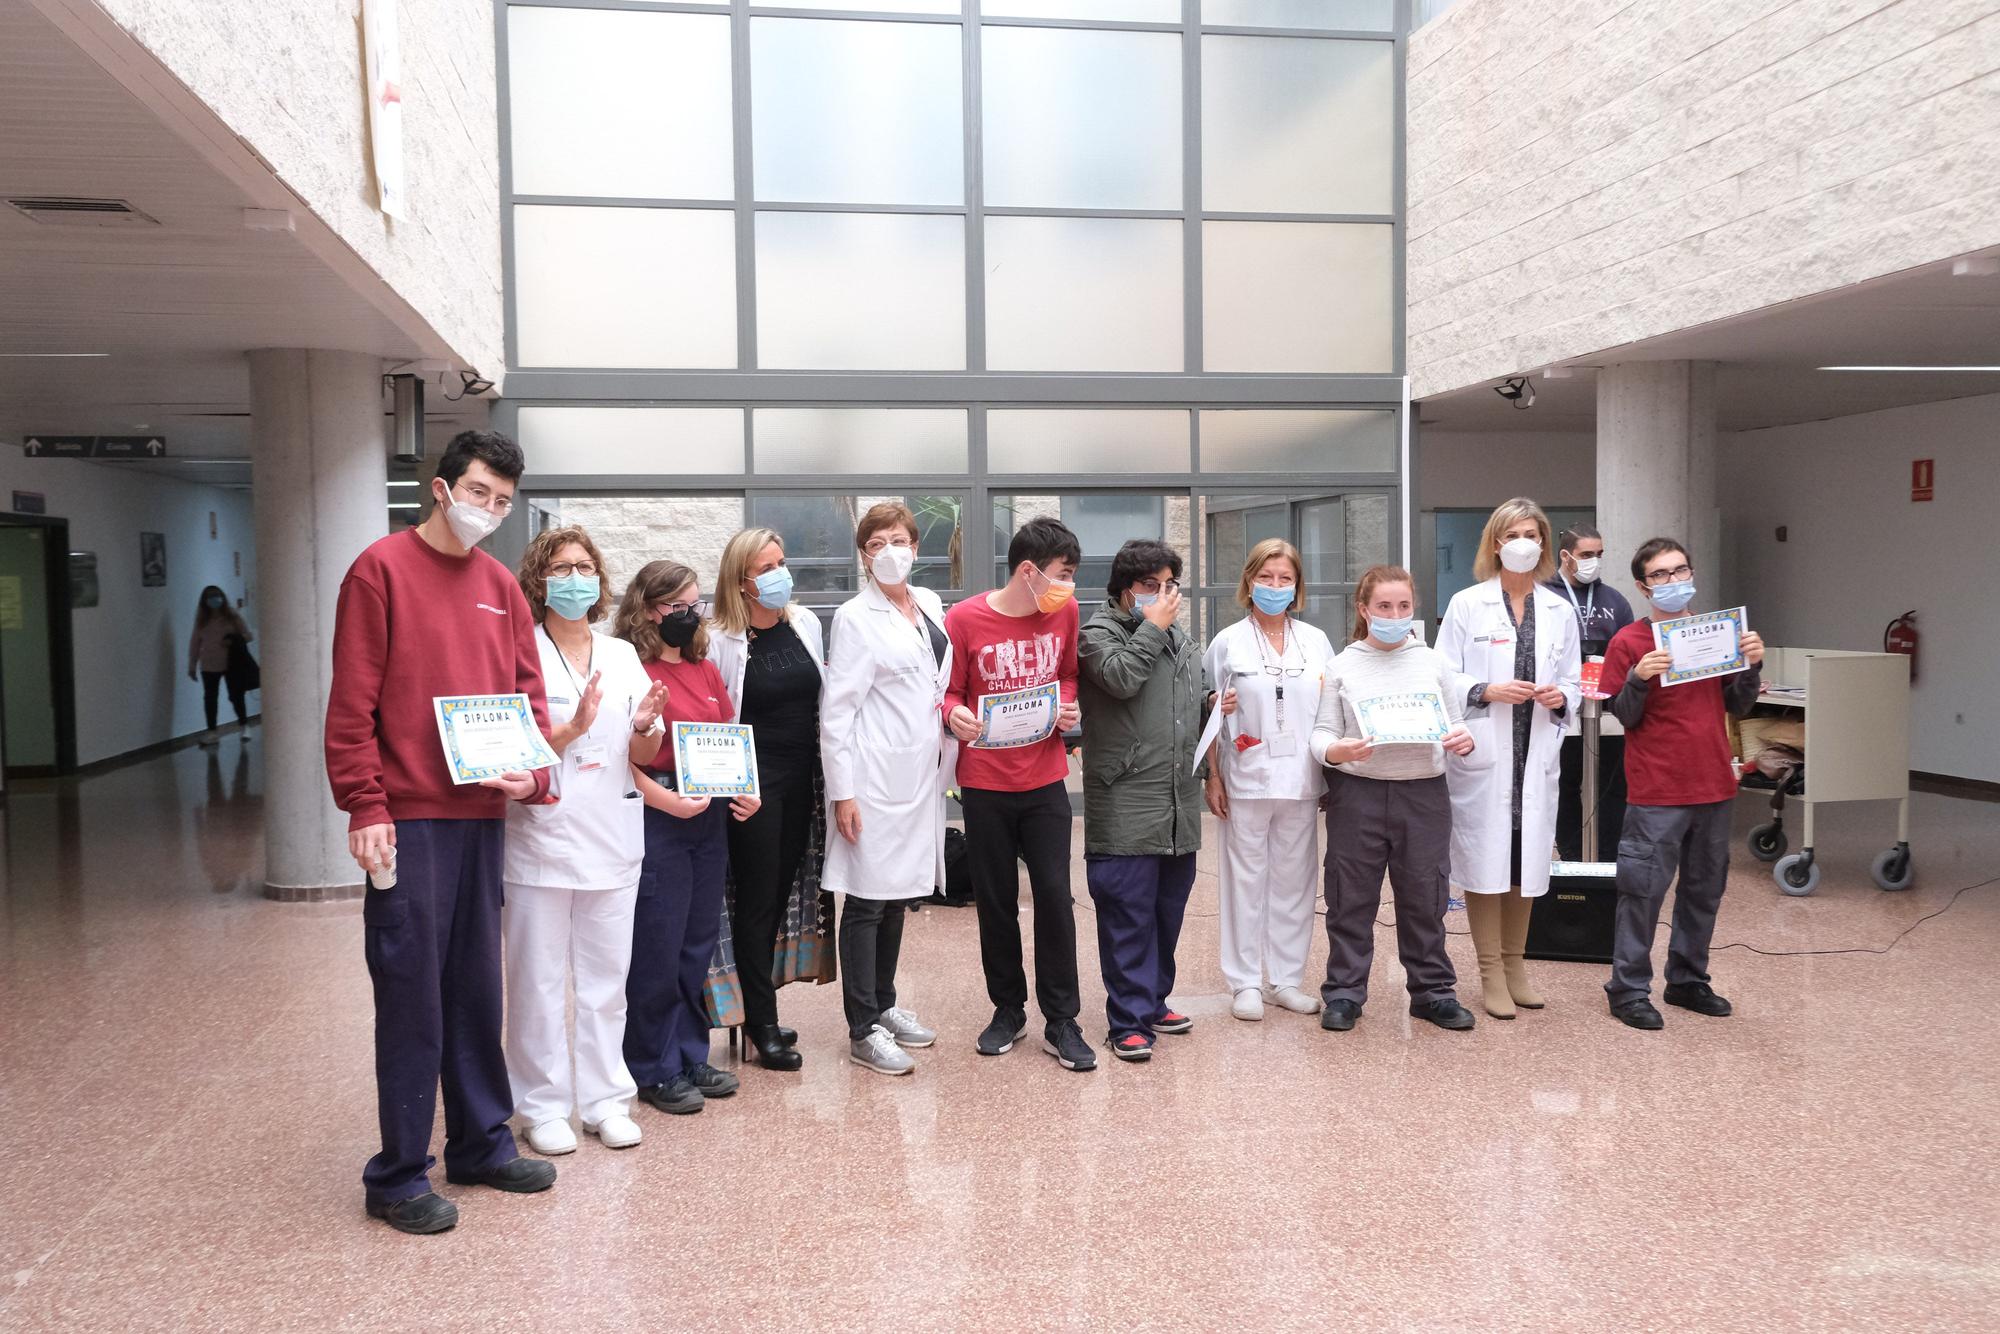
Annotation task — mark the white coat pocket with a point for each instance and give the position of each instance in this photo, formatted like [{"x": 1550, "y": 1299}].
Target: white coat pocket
[
  {"x": 897, "y": 775},
  {"x": 1484, "y": 750}
]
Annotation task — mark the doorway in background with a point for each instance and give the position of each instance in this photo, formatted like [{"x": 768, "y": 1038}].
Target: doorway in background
[{"x": 37, "y": 674}]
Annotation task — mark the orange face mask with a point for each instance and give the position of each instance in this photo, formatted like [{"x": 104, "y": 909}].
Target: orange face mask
[{"x": 1058, "y": 592}]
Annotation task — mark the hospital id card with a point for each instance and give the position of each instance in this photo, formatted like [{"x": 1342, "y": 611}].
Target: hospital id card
[
  {"x": 1710, "y": 644},
  {"x": 485, "y": 736}
]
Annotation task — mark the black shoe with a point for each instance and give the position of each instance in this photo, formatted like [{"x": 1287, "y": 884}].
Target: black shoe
[
  {"x": 516, "y": 1176},
  {"x": 1008, "y": 1027},
  {"x": 712, "y": 1082},
  {"x": 418, "y": 1215},
  {"x": 1339, "y": 1015},
  {"x": 1446, "y": 1013},
  {"x": 679, "y": 1096},
  {"x": 1064, "y": 1041},
  {"x": 772, "y": 1053},
  {"x": 788, "y": 1036},
  {"x": 1696, "y": 996},
  {"x": 1638, "y": 1014},
  {"x": 1173, "y": 1021}
]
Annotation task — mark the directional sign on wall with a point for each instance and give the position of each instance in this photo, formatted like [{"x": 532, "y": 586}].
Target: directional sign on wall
[{"x": 94, "y": 446}]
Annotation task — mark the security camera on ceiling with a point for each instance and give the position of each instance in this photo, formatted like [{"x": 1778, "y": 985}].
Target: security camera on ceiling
[{"x": 1518, "y": 390}]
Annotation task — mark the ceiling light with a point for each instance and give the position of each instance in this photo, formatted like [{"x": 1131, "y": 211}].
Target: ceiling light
[
  {"x": 405, "y": 505},
  {"x": 1518, "y": 390},
  {"x": 1938, "y": 370},
  {"x": 406, "y": 484},
  {"x": 1978, "y": 266},
  {"x": 54, "y": 354},
  {"x": 1557, "y": 373}
]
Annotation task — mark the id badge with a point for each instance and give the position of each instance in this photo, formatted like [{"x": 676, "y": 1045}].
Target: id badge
[
  {"x": 589, "y": 755},
  {"x": 1284, "y": 745}
]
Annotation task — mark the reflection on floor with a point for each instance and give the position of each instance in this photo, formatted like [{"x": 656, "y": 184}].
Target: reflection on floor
[{"x": 186, "y": 1089}]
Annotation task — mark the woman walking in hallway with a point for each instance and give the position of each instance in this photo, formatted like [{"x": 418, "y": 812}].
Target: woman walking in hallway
[
  {"x": 1515, "y": 642},
  {"x": 216, "y": 625}
]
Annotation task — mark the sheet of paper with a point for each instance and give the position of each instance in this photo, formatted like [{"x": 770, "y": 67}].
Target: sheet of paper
[
  {"x": 1710, "y": 644},
  {"x": 1410, "y": 717},
  {"x": 485, "y": 736},
  {"x": 1209, "y": 733},
  {"x": 715, "y": 760},
  {"x": 1017, "y": 717}
]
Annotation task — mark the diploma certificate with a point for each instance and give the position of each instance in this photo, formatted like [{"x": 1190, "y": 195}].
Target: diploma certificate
[
  {"x": 1412, "y": 716},
  {"x": 1017, "y": 717},
  {"x": 486, "y": 736},
  {"x": 715, "y": 760},
  {"x": 1710, "y": 644}
]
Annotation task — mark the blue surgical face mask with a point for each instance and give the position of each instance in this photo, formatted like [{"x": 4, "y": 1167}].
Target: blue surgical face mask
[
  {"x": 215, "y": 603},
  {"x": 774, "y": 588},
  {"x": 1672, "y": 597},
  {"x": 1272, "y": 601},
  {"x": 571, "y": 595},
  {"x": 1141, "y": 601},
  {"x": 1390, "y": 629}
]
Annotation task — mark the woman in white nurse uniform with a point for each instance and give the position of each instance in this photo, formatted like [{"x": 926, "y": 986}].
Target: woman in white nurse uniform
[
  {"x": 1515, "y": 643},
  {"x": 1265, "y": 782},
  {"x": 887, "y": 760},
  {"x": 572, "y": 867}
]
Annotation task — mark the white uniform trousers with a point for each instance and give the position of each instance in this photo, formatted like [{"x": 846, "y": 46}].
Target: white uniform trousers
[
  {"x": 549, "y": 933},
  {"x": 1270, "y": 884}
]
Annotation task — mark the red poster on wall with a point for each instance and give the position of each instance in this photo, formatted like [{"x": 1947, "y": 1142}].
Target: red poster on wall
[{"x": 1923, "y": 474}]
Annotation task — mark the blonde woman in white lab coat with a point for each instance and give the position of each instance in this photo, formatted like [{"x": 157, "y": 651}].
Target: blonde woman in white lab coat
[
  {"x": 1515, "y": 643},
  {"x": 1267, "y": 794},
  {"x": 887, "y": 760}
]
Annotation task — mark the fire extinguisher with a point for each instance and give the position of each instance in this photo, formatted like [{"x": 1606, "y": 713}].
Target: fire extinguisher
[{"x": 1901, "y": 637}]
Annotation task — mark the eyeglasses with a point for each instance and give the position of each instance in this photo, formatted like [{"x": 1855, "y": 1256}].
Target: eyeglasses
[
  {"x": 1673, "y": 576},
  {"x": 486, "y": 500},
  {"x": 1155, "y": 586},
  {"x": 588, "y": 569},
  {"x": 1273, "y": 670},
  {"x": 876, "y": 545},
  {"x": 699, "y": 607}
]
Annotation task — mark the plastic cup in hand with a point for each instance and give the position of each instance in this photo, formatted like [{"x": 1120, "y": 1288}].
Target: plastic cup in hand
[{"x": 384, "y": 874}]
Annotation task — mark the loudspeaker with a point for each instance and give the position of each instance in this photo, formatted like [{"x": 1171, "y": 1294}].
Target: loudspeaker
[
  {"x": 1577, "y": 918},
  {"x": 409, "y": 418}
]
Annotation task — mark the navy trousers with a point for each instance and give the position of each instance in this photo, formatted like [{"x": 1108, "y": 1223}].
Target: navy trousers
[
  {"x": 675, "y": 924},
  {"x": 1140, "y": 903},
  {"x": 433, "y": 946}
]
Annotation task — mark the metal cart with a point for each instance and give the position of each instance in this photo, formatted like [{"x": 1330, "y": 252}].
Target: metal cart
[{"x": 1857, "y": 712}]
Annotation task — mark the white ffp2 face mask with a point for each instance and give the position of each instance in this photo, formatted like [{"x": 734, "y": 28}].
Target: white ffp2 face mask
[
  {"x": 891, "y": 565},
  {"x": 470, "y": 524},
  {"x": 1586, "y": 569},
  {"x": 1521, "y": 555}
]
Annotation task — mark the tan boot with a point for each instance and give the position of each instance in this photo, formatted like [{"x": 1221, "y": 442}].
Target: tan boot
[
  {"x": 1515, "y": 909},
  {"x": 1482, "y": 915}
]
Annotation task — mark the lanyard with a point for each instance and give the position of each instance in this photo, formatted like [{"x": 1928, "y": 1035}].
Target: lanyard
[
  {"x": 1263, "y": 656},
  {"x": 1585, "y": 609},
  {"x": 563, "y": 658}
]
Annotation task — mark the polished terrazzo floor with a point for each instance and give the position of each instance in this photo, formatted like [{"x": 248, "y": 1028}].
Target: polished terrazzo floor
[{"x": 186, "y": 1095}]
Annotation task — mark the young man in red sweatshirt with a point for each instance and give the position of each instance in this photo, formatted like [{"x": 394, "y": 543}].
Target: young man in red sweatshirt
[
  {"x": 1017, "y": 637},
  {"x": 423, "y": 614},
  {"x": 1680, "y": 786}
]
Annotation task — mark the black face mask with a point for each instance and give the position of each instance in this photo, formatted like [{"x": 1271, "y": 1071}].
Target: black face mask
[{"x": 677, "y": 628}]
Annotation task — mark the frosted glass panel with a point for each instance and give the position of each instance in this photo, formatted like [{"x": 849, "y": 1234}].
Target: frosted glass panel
[
  {"x": 1083, "y": 294},
  {"x": 846, "y": 112},
  {"x": 619, "y": 287},
  {"x": 1284, "y": 440},
  {"x": 859, "y": 439},
  {"x": 1078, "y": 119},
  {"x": 585, "y": 441},
  {"x": 611, "y": 102},
  {"x": 1296, "y": 296},
  {"x": 1131, "y": 11},
  {"x": 860, "y": 291},
  {"x": 878, "y": 6},
  {"x": 1297, "y": 125},
  {"x": 1349, "y": 15},
  {"x": 1086, "y": 440}
]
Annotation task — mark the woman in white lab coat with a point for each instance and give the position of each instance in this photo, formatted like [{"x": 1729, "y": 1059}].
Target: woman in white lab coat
[
  {"x": 1515, "y": 643},
  {"x": 887, "y": 759},
  {"x": 1266, "y": 792}
]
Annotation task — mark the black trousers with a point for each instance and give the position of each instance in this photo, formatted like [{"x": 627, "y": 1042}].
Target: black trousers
[
  {"x": 1404, "y": 828},
  {"x": 871, "y": 941},
  {"x": 764, "y": 855},
  {"x": 1570, "y": 798},
  {"x": 210, "y": 682},
  {"x": 1001, "y": 829}
]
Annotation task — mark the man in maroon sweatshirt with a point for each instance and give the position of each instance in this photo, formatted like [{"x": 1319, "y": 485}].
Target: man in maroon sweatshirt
[{"x": 423, "y": 614}]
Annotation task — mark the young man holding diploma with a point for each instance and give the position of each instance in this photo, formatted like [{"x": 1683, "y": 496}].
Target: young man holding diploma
[
  {"x": 1679, "y": 786},
  {"x": 422, "y": 615}
]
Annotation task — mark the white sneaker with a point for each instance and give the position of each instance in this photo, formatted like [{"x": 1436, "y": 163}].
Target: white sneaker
[
  {"x": 879, "y": 1052},
  {"x": 903, "y": 1027},
  {"x": 617, "y": 1132},
  {"x": 552, "y": 1138},
  {"x": 1248, "y": 1004},
  {"x": 1298, "y": 1002}
]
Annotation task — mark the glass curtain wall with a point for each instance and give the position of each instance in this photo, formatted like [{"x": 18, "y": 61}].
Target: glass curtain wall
[{"x": 1136, "y": 263}]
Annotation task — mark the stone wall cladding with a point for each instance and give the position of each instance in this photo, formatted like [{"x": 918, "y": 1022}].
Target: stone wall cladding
[
  {"x": 1587, "y": 173},
  {"x": 287, "y": 77}
]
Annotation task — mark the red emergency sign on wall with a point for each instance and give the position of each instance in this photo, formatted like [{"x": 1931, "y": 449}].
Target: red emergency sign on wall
[{"x": 1922, "y": 477}]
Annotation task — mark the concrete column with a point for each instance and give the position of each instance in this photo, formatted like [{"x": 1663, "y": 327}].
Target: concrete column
[
  {"x": 1656, "y": 465},
  {"x": 319, "y": 450}
]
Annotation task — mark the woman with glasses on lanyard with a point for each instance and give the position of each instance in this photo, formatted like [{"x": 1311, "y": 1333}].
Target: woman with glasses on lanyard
[
  {"x": 1264, "y": 783},
  {"x": 679, "y": 917},
  {"x": 572, "y": 867}
]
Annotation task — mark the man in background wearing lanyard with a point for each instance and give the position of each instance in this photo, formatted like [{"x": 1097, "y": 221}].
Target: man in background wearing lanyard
[{"x": 1601, "y": 612}]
